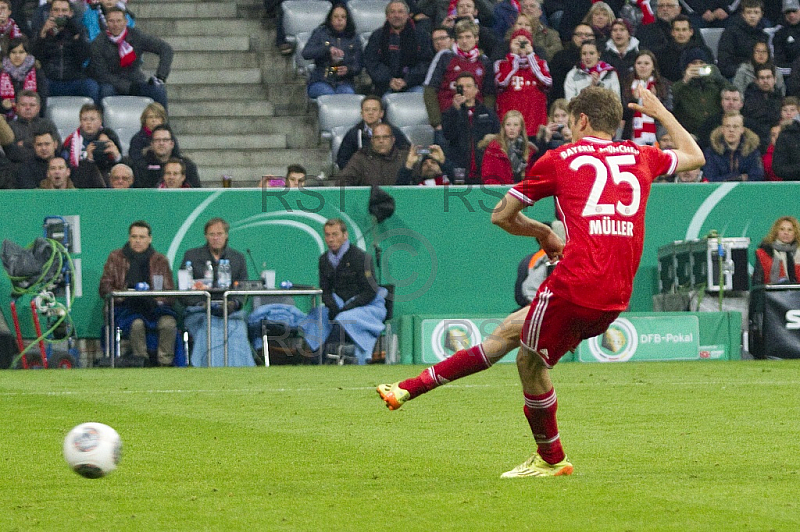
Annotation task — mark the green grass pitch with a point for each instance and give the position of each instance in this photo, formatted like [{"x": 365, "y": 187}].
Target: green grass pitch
[{"x": 656, "y": 446}]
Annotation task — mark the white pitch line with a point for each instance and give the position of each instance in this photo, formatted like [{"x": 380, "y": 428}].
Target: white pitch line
[{"x": 370, "y": 388}]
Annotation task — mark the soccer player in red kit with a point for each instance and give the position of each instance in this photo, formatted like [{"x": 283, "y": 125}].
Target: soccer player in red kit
[{"x": 601, "y": 189}]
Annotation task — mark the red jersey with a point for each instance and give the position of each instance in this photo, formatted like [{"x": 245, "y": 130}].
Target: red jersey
[
  {"x": 522, "y": 83},
  {"x": 601, "y": 190}
]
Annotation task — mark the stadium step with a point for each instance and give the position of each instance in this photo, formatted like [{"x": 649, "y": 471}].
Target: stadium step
[
  {"x": 236, "y": 105},
  {"x": 186, "y": 10}
]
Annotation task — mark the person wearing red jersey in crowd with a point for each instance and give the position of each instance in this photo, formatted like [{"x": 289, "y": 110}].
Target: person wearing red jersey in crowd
[
  {"x": 523, "y": 80},
  {"x": 766, "y": 159},
  {"x": 440, "y": 83},
  {"x": 601, "y": 189},
  {"x": 509, "y": 154},
  {"x": 778, "y": 258}
]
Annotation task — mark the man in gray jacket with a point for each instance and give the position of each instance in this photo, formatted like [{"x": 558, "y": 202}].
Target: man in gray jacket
[{"x": 116, "y": 60}]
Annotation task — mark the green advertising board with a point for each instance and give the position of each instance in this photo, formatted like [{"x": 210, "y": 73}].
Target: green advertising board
[{"x": 645, "y": 338}]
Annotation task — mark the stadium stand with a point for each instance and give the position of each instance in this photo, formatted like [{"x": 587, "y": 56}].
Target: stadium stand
[
  {"x": 122, "y": 114},
  {"x": 64, "y": 112}
]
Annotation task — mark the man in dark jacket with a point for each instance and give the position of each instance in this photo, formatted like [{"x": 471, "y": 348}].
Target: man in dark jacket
[
  {"x": 738, "y": 39},
  {"x": 360, "y": 135},
  {"x": 376, "y": 164},
  {"x": 62, "y": 48},
  {"x": 149, "y": 170},
  {"x": 29, "y": 104},
  {"x": 464, "y": 124},
  {"x": 137, "y": 262},
  {"x": 787, "y": 39},
  {"x": 656, "y": 36},
  {"x": 786, "y": 157},
  {"x": 682, "y": 38},
  {"x": 31, "y": 172},
  {"x": 116, "y": 60},
  {"x": 762, "y": 105},
  {"x": 397, "y": 55},
  {"x": 566, "y": 59}
]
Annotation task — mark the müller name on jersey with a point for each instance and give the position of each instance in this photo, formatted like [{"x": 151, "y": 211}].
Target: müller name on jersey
[{"x": 609, "y": 226}]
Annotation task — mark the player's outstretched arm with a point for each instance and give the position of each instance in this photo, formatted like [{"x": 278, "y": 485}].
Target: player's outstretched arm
[
  {"x": 690, "y": 156},
  {"x": 507, "y": 215}
]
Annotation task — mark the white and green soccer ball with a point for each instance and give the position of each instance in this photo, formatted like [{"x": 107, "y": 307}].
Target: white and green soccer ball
[{"x": 92, "y": 449}]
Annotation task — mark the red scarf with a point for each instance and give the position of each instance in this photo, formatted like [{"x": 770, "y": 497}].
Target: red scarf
[
  {"x": 471, "y": 56},
  {"x": 10, "y": 29},
  {"x": 7, "y": 88},
  {"x": 75, "y": 143},
  {"x": 644, "y": 127},
  {"x": 600, "y": 67},
  {"x": 127, "y": 55}
]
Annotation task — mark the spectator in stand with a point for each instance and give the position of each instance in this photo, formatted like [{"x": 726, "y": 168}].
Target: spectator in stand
[
  {"x": 522, "y": 82},
  {"x": 8, "y": 28},
  {"x": 439, "y": 10},
  {"x": 546, "y": 40},
  {"x": 441, "y": 39},
  {"x": 766, "y": 159},
  {"x": 7, "y": 167},
  {"x": 762, "y": 105},
  {"x": 789, "y": 109},
  {"x": 397, "y": 55},
  {"x": 523, "y": 22},
  {"x": 641, "y": 128},
  {"x": 424, "y": 169},
  {"x": 359, "y": 135},
  {"x": 57, "y": 175},
  {"x": 153, "y": 115},
  {"x": 556, "y": 132},
  {"x": 116, "y": 60},
  {"x": 681, "y": 39},
  {"x": 690, "y": 176},
  {"x": 20, "y": 72},
  {"x": 740, "y": 36},
  {"x": 465, "y": 10},
  {"x": 336, "y": 51},
  {"x": 295, "y": 176},
  {"x": 92, "y": 145},
  {"x": 464, "y": 125},
  {"x": 174, "y": 175},
  {"x": 621, "y": 48},
  {"x": 600, "y": 17},
  {"x": 24, "y": 124},
  {"x": 62, "y": 48},
  {"x": 696, "y": 96},
  {"x": 508, "y": 156},
  {"x": 440, "y": 83},
  {"x": 566, "y": 59},
  {"x": 665, "y": 142},
  {"x": 733, "y": 154},
  {"x": 376, "y": 164},
  {"x": 746, "y": 73},
  {"x": 656, "y": 36},
  {"x": 786, "y": 40},
  {"x": 95, "y": 17},
  {"x": 579, "y": 9},
  {"x": 590, "y": 72},
  {"x": 121, "y": 176},
  {"x": 163, "y": 147},
  {"x": 786, "y": 156},
  {"x": 778, "y": 255},
  {"x": 31, "y": 172},
  {"x": 730, "y": 100}
]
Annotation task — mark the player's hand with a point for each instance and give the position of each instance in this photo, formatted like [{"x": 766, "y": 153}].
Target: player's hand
[
  {"x": 552, "y": 245},
  {"x": 650, "y": 104}
]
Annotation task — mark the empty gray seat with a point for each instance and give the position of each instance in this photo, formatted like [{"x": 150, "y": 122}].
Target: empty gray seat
[
  {"x": 338, "y": 110},
  {"x": 301, "y": 65},
  {"x": 337, "y": 136},
  {"x": 302, "y": 16},
  {"x": 406, "y": 109},
  {"x": 368, "y": 15},
  {"x": 123, "y": 115}
]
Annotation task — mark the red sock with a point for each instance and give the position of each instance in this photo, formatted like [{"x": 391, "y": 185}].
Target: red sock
[
  {"x": 462, "y": 363},
  {"x": 541, "y": 413}
]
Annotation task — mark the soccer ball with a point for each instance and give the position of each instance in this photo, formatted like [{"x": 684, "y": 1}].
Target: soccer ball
[{"x": 92, "y": 449}]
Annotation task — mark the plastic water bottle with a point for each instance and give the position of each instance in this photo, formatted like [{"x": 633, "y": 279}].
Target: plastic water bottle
[
  {"x": 224, "y": 275},
  {"x": 208, "y": 275},
  {"x": 286, "y": 284},
  {"x": 190, "y": 271}
]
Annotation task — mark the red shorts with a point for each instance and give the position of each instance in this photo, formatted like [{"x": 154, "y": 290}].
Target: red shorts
[{"x": 555, "y": 326}]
